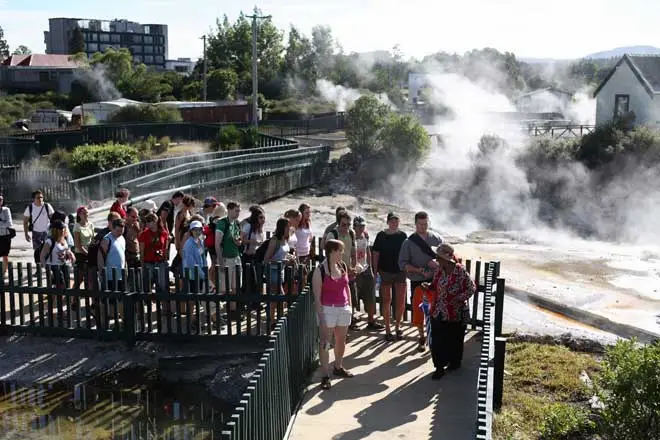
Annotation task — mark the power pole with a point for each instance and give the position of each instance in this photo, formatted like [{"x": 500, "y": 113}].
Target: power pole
[
  {"x": 205, "y": 66},
  {"x": 255, "y": 81}
]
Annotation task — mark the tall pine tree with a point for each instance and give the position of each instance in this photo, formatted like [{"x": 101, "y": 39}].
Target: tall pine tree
[
  {"x": 76, "y": 42},
  {"x": 4, "y": 47}
]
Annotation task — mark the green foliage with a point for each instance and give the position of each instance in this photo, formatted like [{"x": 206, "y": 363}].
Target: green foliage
[
  {"x": 221, "y": 84},
  {"x": 59, "y": 158},
  {"x": 92, "y": 159},
  {"x": 147, "y": 113},
  {"x": 564, "y": 421},
  {"x": 629, "y": 387},
  {"x": 192, "y": 91},
  {"x": 365, "y": 121},
  {"x": 292, "y": 108},
  {"x": 22, "y": 50},
  {"x": 21, "y": 106},
  {"x": 249, "y": 137},
  {"x": 405, "y": 140},
  {"x": 162, "y": 146},
  {"x": 77, "y": 41},
  {"x": 228, "y": 138},
  {"x": 4, "y": 47}
]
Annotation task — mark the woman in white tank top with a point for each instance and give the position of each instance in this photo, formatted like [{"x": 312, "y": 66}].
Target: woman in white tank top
[{"x": 304, "y": 237}]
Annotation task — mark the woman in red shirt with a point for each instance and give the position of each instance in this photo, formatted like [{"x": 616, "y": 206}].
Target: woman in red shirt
[
  {"x": 122, "y": 198},
  {"x": 449, "y": 292},
  {"x": 154, "y": 245}
]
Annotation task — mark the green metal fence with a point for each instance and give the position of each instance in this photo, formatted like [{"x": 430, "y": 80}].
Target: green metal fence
[
  {"x": 223, "y": 170},
  {"x": 102, "y": 186}
]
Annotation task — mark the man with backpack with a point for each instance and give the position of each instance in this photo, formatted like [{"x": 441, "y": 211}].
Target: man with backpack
[
  {"x": 346, "y": 235},
  {"x": 418, "y": 260},
  {"x": 36, "y": 220},
  {"x": 93, "y": 252},
  {"x": 228, "y": 248}
]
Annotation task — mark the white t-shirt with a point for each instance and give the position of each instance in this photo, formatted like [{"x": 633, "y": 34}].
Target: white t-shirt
[
  {"x": 57, "y": 255},
  {"x": 361, "y": 248},
  {"x": 293, "y": 239},
  {"x": 303, "y": 244},
  {"x": 259, "y": 236},
  {"x": 40, "y": 216}
]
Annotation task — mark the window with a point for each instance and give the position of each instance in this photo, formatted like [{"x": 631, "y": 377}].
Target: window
[
  {"x": 137, "y": 58},
  {"x": 147, "y": 29},
  {"x": 159, "y": 59},
  {"x": 621, "y": 105},
  {"x": 104, "y": 38},
  {"x": 136, "y": 48},
  {"x": 148, "y": 59},
  {"x": 136, "y": 38},
  {"x": 115, "y": 38},
  {"x": 92, "y": 47},
  {"x": 105, "y": 47},
  {"x": 148, "y": 39},
  {"x": 44, "y": 77},
  {"x": 148, "y": 49}
]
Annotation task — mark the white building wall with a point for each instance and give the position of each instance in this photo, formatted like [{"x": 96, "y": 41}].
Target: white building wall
[{"x": 624, "y": 82}]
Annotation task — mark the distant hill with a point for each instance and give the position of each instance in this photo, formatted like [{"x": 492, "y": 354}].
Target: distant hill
[{"x": 621, "y": 51}]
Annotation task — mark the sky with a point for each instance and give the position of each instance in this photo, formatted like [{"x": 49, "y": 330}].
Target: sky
[{"x": 561, "y": 29}]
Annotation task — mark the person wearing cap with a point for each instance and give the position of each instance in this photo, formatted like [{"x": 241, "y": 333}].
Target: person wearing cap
[
  {"x": 83, "y": 233},
  {"x": 418, "y": 260},
  {"x": 365, "y": 283},
  {"x": 332, "y": 226},
  {"x": 385, "y": 259},
  {"x": 208, "y": 207},
  {"x": 112, "y": 256},
  {"x": 194, "y": 256},
  {"x": 448, "y": 294}
]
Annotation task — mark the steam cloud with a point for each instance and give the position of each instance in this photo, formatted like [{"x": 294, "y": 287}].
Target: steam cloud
[
  {"x": 96, "y": 80},
  {"x": 344, "y": 97},
  {"x": 467, "y": 188}
]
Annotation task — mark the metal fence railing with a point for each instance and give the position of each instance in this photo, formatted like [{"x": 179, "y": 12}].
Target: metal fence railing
[
  {"x": 224, "y": 169},
  {"x": 102, "y": 186}
]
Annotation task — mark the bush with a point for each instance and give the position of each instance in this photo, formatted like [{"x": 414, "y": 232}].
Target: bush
[
  {"x": 162, "y": 146},
  {"x": 364, "y": 123},
  {"x": 228, "y": 138},
  {"x": 147, "y": 113},
  {"x": 249, "y": 138},
  {"x": 404, "y": 138},
  {"x": 629, "y": 387},
  {"x": 563, "y": 421},
  {"x": 59, "y": 158},
  {"x": 92, "y": 159},
  {"x": 145, "y": 147}
]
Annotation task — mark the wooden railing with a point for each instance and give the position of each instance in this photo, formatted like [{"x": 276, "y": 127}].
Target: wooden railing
[{"x": 558, "y": 131}]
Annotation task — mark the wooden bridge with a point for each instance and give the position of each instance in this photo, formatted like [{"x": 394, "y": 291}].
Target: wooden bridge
[{"x": 559, "y": 131}]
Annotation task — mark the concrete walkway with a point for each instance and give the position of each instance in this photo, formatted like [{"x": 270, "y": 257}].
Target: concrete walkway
[{"x": 392, "y": 395}]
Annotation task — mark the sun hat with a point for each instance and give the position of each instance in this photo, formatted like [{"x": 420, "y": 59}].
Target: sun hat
[
  {"x": 196, "y": 224},
  {"x": 445, "y": 252}
]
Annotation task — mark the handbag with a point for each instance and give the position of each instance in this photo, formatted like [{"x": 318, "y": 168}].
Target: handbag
[{"x": 12, "y": 233}]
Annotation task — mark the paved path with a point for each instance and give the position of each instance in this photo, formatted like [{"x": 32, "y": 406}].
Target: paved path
[{"x": 392, "y": 395}]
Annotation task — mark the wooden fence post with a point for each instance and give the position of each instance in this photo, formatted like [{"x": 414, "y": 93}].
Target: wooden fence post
[
  {"x": 498, "y": 372},
  {"x": 499, "y": 306}
]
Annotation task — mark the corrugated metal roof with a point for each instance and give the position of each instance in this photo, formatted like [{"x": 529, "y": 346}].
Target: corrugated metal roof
[{"x": 40, "y": 60}]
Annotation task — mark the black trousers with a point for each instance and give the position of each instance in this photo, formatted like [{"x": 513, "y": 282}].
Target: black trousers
[{"x": 447, "y": 343}]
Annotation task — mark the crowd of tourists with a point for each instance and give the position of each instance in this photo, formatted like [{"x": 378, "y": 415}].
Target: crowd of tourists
[{"x": 213, "y": 235}]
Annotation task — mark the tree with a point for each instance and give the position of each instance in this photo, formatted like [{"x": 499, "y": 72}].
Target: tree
[
  {"x": 22, "y": 50},
  {"x": 76, "y": 42},
  {"x": 405, "y": 139},
  {"x": 324, "y": 49},
  {"x": 299, "y": 66},
  {"x": 365, "y": 121},
  {"x": 221, "y": 84},
  {"x": 4, "y": 47},
  {"x": 192, "y": 91}
]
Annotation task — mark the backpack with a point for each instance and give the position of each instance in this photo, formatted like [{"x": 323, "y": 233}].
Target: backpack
[
  {"x": 93, "y": 249},
  {"x": 260, "y": 254},
  {"x": 46, "y": 206},
  {"x": 335, "y": 233},
  {"x": 50, "y": 251},
  {"x": 209, "y": 233}
]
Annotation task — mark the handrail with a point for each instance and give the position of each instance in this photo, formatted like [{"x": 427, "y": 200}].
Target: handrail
[{"x": 217, "y": 163}]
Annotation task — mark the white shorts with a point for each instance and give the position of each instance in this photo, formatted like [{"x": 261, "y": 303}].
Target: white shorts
[
  {"x": 337, "y": 316},
  {"x": 233, "y": 264}
]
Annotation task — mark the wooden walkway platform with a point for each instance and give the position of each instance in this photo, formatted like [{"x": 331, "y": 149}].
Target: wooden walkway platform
[{"x": 392, "y": 395}]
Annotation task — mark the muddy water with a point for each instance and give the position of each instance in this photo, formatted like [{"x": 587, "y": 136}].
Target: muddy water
[{"x": 115, "y": 406}]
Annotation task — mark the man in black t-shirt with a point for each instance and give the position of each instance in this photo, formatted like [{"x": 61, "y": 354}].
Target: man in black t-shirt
[
  {"x": 170, "y": 207},
  {"x": 385, "y": 260}
]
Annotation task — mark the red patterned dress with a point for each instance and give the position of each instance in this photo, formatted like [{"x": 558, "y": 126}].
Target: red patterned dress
[{"x": 450, "y": 294}]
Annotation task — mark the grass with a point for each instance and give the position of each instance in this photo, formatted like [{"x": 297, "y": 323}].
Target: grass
[{"x": 537, "y": 378}]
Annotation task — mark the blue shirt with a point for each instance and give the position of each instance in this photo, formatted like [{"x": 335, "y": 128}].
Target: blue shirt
[
  {"x": 194, "y": 255},
  {"x": 116, "y": 257}
]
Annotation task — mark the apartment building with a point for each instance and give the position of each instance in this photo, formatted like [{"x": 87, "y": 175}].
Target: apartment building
[{"x": 146, "y": 42}]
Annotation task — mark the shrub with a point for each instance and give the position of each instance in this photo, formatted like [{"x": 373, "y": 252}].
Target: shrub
[
  {"x": 145, "y": 147},
  {"x": 563, "y": 421},
  {"x": 228, "y": 138},
  {"x": 629, "y": 387},
  {"x": 405, "y": 139},
  {"x": 162, "y": 146},
  {"x": 59, "y": 158},
  {"x": 364, "y": 123},
  {"x": 147, "y": 113},
  {"x": 249, "y": 138},
  {"x": 92, "y": 159}
]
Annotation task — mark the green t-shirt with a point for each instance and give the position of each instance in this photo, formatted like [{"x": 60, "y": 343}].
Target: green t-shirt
[{"x": 230, "y": 230}]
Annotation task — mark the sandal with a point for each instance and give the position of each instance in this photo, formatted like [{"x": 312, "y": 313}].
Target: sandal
[
  {"x": 421, "y": 345},
  {"x": 342, "y": 372},
  {"x": 325, "y": 383},
  {"x": 389, "y": 337},
  {"x": 399, "y": 335}
]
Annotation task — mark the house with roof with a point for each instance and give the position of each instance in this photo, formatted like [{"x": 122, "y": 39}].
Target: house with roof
[
  {"x": 546, "y": 100},
  {"x": 38, "y": 73},
  {"x": 633, "y": 86}
]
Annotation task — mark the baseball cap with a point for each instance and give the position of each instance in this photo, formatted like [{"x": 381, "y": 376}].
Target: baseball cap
[
  {"x": 391, "y": 215},
  {"x": 359, "y": 221},
  {"x": 210, "y": 201},
  {"x": 195, "y": 225}
]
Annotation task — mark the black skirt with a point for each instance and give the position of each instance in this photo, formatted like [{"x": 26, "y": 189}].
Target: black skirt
[{"x": 5, "y": 245}]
